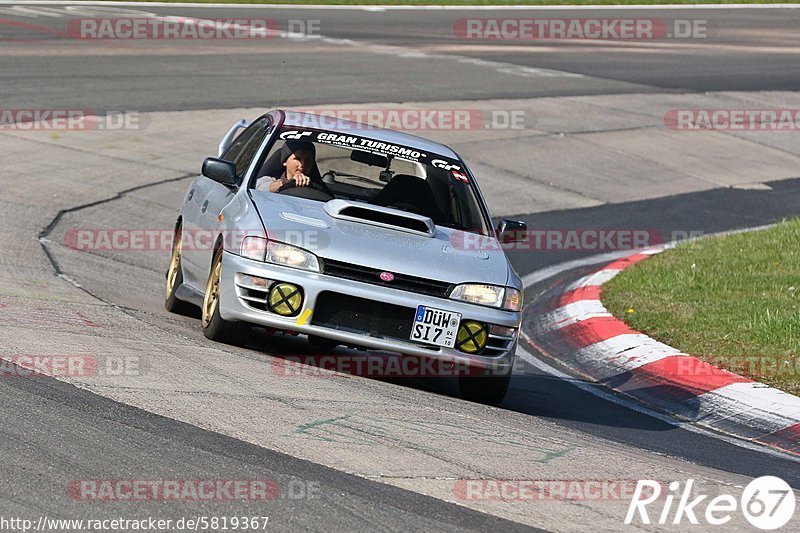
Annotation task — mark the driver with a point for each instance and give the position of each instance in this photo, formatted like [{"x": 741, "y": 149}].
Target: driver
[{"x": 297, "y": 157}]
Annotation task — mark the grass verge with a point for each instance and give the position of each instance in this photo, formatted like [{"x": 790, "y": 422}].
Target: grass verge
[{"x": 733, "y": 301}]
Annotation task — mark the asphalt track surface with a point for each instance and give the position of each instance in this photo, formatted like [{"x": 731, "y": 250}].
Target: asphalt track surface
[
  {"x": 745, "y": 50},
  {"x": 52, "y": 430}
]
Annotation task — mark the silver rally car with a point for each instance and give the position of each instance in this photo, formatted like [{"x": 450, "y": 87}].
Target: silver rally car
[{"x": 389, "y": 247}]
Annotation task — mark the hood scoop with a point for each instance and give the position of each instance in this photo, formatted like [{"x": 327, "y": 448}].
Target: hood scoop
[{"x": 385, "y": 217}]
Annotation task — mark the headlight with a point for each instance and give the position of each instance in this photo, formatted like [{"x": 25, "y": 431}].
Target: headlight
[
  {"x": 489, "y": 295},
  {"x": 291, "y": 256},
  {"x": 479, "y": 294}
]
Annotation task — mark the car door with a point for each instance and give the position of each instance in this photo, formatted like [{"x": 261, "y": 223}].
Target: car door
[{"x": 210, "y": 198}]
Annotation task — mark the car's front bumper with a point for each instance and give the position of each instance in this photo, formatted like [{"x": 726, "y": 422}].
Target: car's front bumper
[{"x": 233, "y": 307}]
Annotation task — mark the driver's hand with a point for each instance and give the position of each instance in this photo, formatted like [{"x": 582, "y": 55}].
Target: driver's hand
[{"x": 301, "y": 180}]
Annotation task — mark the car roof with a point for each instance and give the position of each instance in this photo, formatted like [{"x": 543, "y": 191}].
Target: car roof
[{"x": 301, "y": 119}]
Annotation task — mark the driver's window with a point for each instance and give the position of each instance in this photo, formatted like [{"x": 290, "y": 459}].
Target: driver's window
[
  {"x": 239, "y": 142},
  {"x": 245, "y": 146}
]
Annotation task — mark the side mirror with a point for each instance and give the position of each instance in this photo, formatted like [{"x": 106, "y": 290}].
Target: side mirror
[
  {"x": 226, "y": 141},
  {"x": 221, "y": 171},
  {"x": 510, "y": 231}
]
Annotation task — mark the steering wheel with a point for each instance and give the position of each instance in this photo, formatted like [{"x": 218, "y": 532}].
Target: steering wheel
[
  {"x": 313, "y": 191},
  {"x": 292, "y": 184},
  {"x": 288, "y": 185}
]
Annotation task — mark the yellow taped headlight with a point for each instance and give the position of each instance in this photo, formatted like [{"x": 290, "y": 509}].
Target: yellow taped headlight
[
  {"x": 472, "y": 336},
  {"x": 285, "y": 299}
]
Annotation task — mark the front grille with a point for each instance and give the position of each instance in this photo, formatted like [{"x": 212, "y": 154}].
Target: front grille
[
  {"x": 358, "y": 315},
  {"x": 401, "y": 282}
]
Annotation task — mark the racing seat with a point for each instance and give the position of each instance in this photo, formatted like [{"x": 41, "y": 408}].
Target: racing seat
[{"x": 410, "y": 193}]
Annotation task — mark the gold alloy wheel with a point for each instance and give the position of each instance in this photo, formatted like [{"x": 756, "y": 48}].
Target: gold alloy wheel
[
  {"x": 174, "y": 263},
  {"x": 211, "y": 298}
]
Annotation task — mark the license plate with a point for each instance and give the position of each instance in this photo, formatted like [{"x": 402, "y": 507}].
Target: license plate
[{"x": 435, "y": 326}]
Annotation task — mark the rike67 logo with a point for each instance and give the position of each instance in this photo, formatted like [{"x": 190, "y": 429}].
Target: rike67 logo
[{"x": 767, "y": 503}]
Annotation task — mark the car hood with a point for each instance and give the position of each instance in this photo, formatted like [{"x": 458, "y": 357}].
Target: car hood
[{"x": 448, "y": 255}]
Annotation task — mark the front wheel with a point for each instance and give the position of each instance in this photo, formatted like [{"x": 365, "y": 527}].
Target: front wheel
[
  {"x": 484, "y": 389},
  {"x": 175, "y": 280},
  {"x": 215, "y": 327}
]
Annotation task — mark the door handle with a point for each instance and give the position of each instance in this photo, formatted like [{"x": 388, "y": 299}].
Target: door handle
[
  {"x": 205, "y": 206},
  {"x": 191, "y": 193}
]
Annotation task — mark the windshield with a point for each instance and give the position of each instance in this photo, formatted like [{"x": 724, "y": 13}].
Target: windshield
[{"x": 357, "y": 168}]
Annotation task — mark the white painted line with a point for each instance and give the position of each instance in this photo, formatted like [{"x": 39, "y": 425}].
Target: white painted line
[
  {"x": 781, "y": 406},
  {"x": 604, "y": 394},
  {"x": 498, "y": 66},
  {"x": 590, "y": 280},
  {"x": 652, "y": 251},
  {"x": 572, "y": 313},
  {"x": 601, "y": 277},
  {"x": 379, "y": 7},
  {"x": 396, "y": 51},
  {"x": 630, "y": 351},
  {"x": 542, "y": 274}
]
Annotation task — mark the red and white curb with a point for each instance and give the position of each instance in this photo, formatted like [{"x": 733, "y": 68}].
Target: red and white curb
[{"x": 579, "y": 332}]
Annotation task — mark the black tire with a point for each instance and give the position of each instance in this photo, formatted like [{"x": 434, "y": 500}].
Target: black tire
[
  {"x": 175, "y": 280},
  {"x": 214, "y": 326},
  {"x": 484, "y": 389}
]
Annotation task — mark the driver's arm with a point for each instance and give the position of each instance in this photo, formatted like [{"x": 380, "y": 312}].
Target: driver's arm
[
  {"x": 299, "y": 180},
  {"x": 277, "y": 184},
  {"x": 270, "y": 183}
]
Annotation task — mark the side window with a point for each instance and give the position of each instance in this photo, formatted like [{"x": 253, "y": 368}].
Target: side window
[
  {"x": 244, "y": 147},
  {"x": 239, "y": 142},
  {"x": 245, "y": 157}
]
